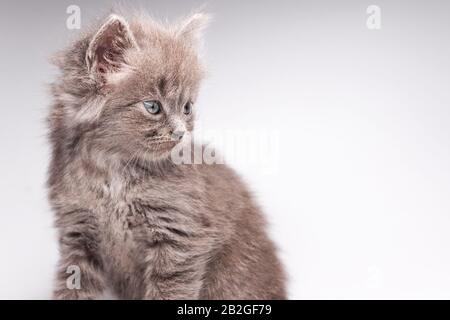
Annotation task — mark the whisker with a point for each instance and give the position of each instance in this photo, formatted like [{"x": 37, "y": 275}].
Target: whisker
[{"x": 130, "y": 160}]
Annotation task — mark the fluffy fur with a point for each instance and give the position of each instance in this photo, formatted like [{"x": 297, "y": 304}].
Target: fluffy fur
[{"x": 128, "y": 217}]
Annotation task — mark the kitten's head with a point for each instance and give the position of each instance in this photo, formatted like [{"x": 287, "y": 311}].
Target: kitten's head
[{"x": 131, "y": 85}]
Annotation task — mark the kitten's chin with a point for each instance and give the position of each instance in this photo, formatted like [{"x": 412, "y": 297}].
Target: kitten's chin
[
  {"x": 162, "y": 155},
  {"x": 160, "y": 152}
]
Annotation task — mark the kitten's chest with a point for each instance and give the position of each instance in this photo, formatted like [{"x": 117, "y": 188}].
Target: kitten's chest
[{"x": 146, "y": 215}]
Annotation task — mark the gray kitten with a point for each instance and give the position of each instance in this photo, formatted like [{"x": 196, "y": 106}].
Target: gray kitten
[{"x": 129, "y": 218}]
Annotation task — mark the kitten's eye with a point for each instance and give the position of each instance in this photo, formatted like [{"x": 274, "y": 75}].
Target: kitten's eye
[
  {"x": 152, "y": 106},
  {"x": 187, "y": 108}
]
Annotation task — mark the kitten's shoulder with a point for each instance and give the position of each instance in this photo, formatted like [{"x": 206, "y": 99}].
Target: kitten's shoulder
[{"x": 221, "y": 176}]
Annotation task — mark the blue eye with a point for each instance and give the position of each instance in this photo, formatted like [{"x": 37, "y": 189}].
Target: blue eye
[{"x": 152, "y": 106}]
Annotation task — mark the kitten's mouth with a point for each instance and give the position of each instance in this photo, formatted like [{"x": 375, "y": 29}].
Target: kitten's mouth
[
  {"x": 166, "y": 142},
  {"x": 163, "y": 145}
]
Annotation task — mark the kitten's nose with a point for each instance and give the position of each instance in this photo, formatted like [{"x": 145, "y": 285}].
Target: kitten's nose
[{"x": 177, "y": 135}]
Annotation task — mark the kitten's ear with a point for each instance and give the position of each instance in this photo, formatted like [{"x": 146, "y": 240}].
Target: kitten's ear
[
  {"x": 105, "y": 53},
  {"x": 192, "y": 28}
]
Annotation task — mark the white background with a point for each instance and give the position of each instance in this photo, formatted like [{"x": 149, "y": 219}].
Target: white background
[{"x": 359, "y": 201}]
